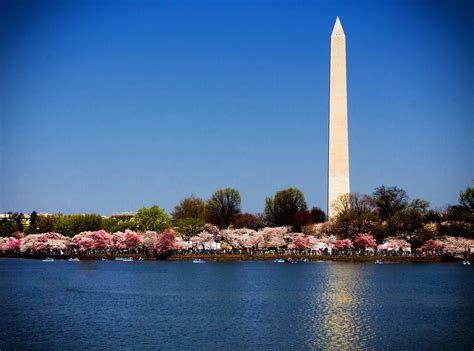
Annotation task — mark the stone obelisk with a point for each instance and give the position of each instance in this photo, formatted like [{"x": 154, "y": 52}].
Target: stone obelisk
[{"x": 338, "y": 170}]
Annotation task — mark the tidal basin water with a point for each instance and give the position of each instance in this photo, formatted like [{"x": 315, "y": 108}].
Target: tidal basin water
[{"x": 236, "y": 305}]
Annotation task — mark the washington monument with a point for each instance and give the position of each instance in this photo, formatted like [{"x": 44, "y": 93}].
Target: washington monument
[{"x": 338, "y": 169}]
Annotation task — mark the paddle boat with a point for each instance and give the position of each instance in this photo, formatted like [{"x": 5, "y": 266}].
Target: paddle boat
[
  {"x": 124, "y": 259},
  {"x": 199, "y": 260},
  {"x": 466, "y": 262},
  {"x": 378, "y": 262},
  {"x": 279, "y": 260},
  {"x": 291, "y": 260},
  {"x": 103, "y": 259},
  {"x": 73, "y": 259},
  {"x": 48, "y": 259}
]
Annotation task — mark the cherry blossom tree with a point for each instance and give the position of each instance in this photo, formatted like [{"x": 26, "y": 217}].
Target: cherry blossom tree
[
  {"x": 92, "y": 240},
  {"x": 166, "y": 242},
  {"x": 132, "y": 239},
  {"x": 9, "y": 244},
  {"x": 457, "y": 245},
  {"x": 44, "y": 242},
  {"x": 394, "y": 244},
  {"x": 301, "y": 242},
  {"x": 364, "y": 241},
  {"x": 149, "y": 240},
  {"x": 433, "y": 245},
  {"x": 343, "y": 244}
]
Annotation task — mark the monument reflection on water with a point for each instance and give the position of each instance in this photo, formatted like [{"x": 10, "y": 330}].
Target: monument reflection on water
[{"x": 340, "y": 307}]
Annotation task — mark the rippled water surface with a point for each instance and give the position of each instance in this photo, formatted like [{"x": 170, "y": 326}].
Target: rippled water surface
[{"x": 236, "y": 305}]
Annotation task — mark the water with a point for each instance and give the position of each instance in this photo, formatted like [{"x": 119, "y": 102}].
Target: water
[{"x": 236, "y": 305}]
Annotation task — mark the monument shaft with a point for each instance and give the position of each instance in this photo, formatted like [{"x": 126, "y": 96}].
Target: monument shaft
[{"x": 338, "y": 168}]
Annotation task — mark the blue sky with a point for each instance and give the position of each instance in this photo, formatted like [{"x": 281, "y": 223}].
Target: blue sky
[{"x": 114, "y": 105}]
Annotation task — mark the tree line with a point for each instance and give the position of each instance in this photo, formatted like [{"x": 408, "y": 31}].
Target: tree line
[{"x": 387, "y": 212}]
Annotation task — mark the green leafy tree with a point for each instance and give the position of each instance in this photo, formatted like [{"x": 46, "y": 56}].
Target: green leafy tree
[
  {"x": 44, "y": 224},
  {"x": 281, "y": 209},
  {"x": 407, "y": 224},
  {"x": 75, "y": 224},
  {"x": 113, "y": 225},
  {"x": 7, "y": 228},
  {"x": 18, "y": 219},
  {"x": 190, "y": 207},
  {"x": 153, "y": 218},
  {"x": 250, "y": 221},
  {"x": 33, "y": 223},
  {"x": 389, "y": 200},
  {"x": 317, "y": 215},
  {"x": 188, "y": 227},
  {"x": 355, "y": 214},
  {"x": 223, "y": 208},
  {"x": 466, "y": 199}
]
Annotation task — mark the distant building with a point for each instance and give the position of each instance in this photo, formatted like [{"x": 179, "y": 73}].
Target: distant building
[
  {"x": 123, "y": 215},
  {"x": 5, "y": 216}
]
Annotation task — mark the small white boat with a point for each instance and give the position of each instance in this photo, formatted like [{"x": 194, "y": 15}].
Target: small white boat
[
  {"x": 466, "y": 262},
  {"x": 378, "y": 262},
  {"x": 124, "y": 259},
  {"x": 199, "y": 260},
  {"x": 279, "y": 260},
  {"x": 48, "y": 259},
  {"x": 73, "y": 259}
]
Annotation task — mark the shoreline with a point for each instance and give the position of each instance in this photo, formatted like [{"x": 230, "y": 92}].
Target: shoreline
[{"x": 253, "y": 257}]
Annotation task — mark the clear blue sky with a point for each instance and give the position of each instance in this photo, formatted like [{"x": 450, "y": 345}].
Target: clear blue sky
[{"x": 114, "y": 105}]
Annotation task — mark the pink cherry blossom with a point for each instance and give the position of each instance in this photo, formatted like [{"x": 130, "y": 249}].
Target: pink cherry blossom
[
  {"x": 44, "y": 242},
  {"x": 343, "y": 244},
  {"x": 433, "y": 245},
  {"x": 457, "y": 245},
  {"x": 394, "y": 244},
  {"x": 364, "y": 241},
  {"x": 166, "y": 242},
  {"x": 301, "y": 242}
]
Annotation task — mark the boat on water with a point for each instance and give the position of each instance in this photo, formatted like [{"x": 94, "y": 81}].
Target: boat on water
[
  {"x": 279, "y": 260},
  {"x": 103, "y": 259},
  {"x": 124, "y": 259},
  {"x": 466, "y": 262},
  {"x": 73, "y": 259},
  {"x": 378, "y": 262},
  {"x": 199, "y": 260},
  {"x": 48, "y": 259}
]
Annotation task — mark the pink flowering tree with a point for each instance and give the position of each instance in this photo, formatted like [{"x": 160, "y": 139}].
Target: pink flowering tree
[
  {"x": 394, "y": 244},
  {"x": 132, "y": 239},
  {"x": 44, "y": 243},
  {"x": 203, "y": 240},
  {"x": 149, "y": 240},
  {"x": 10, "y": 244},
  {"x": 301, "y": 242},
  {"x": 343, "y": 244},
  {"x": 273, "y": 237},
  {"x": 432, "y": 245},
  {"x": 238, "y": 238},
  {"x": 91, "y": 240},
  {"x": 166, "y": 243},
  {"x": 457, "y": 245},
  {"x": 364, "y": 241},
  {"x": 118, "y": 241}
]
